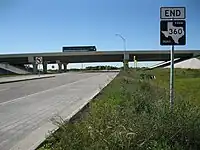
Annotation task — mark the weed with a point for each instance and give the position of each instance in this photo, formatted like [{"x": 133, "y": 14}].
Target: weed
[{"x": 134, "y": 114}]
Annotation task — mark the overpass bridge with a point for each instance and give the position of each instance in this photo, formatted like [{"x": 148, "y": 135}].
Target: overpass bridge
[{"x": 63, "y": 58}]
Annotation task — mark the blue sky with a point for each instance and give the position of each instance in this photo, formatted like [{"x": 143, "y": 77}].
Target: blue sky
[{"x": 47, "y": 25}]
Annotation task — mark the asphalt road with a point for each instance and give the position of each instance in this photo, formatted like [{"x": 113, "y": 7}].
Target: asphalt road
[{"x": 26, "y": 107}]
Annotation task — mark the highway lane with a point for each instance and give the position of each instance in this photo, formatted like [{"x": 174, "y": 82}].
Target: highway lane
[
  {"x": 27, "y": 106},
  {"x": 19, "y": 89}
]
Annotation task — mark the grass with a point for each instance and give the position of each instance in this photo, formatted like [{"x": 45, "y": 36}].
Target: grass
[
  {"x": 8, "y": 75},
  {"x": 134, "y": 114},
  {"x": 13, "y": 75},
  {"x": 187, "y": 83}
]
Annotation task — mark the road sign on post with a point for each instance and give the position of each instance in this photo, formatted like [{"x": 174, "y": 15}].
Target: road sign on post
[
  {"x": 172, "y": 32},
  {"x": 135, "y": 61},
  {"x": 38, "y": 60},
  {"x": 172, "y": 13}
]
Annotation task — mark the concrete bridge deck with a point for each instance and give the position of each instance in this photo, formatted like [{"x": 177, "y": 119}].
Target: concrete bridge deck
[{"x": 97, "y": 56}]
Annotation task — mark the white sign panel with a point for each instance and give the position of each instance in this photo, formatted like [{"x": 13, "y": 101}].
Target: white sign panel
[
  {"x": 172, "y": 13},
  {"x": 38, "y": 60}
]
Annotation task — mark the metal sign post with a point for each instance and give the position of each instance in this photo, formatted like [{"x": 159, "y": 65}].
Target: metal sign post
[
  {"x": 39, "y": 70},
  {"x": 172, "y": 32},
  {"x": 38, "y": 61},
  {"x": 172, "y": 78}
]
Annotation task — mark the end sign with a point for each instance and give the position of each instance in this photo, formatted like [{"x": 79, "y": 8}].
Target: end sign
[
  {"x": 172, "y": 26},
  {"x": 172, "y": 13}
]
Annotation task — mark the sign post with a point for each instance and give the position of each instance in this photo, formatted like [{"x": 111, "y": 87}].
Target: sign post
[
  {"x": 172, "y": 32},
  {"x": 38, "y": 61},
  {"x": 172, "y": 78},
  {"x": 135, "y": 61}
]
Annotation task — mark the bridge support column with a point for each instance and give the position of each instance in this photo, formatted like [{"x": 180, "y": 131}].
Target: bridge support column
[
  {"x": 35, "y": 68},
  {"x": 125, "y": 64},
  {"x": 60, "y": 67},
  {"x": 45, "y": 63},
  {"x": 126, "y": 61},
  {"x": 65, "y": 67}
]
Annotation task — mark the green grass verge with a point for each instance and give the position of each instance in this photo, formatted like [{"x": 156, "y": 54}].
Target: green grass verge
[
  {"x": 8, "y": 75},
  {"x": 187, "y": 83},
  {"x": 132, "y": 113},
  {"x": 13, "y": 75}
]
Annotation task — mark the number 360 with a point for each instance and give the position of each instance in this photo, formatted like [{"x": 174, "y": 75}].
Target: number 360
[{"x": 175, "y": 31}]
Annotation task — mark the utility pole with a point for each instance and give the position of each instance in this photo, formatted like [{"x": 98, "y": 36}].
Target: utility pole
[{"x": 124, "y": 43}]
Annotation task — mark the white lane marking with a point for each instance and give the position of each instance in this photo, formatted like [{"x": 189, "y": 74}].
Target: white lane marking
[
  {"x": 4, "y": 89},
  {"x": 21, "y": 98}
]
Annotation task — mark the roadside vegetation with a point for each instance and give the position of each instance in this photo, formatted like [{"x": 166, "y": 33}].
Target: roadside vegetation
[
  {"x": 133, "y": 113},
  {"x": 10, "y": 75},
  {"x": 101, "y": 68},
  {"x": 89, "y": 68}
]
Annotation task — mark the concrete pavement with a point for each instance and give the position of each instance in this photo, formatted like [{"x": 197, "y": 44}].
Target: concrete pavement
[
  {"x": 23, "y": 78},
  {"x": 27, "y": 107}
]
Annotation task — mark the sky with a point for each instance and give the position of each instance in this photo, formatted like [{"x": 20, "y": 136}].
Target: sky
[{"x": 32, "y": 26}]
